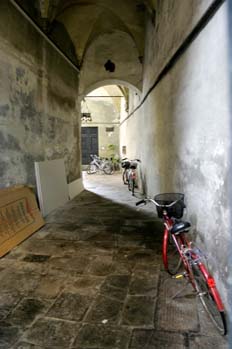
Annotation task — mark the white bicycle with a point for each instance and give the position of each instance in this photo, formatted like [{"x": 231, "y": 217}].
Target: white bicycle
[{"x": 100, "y": 165}]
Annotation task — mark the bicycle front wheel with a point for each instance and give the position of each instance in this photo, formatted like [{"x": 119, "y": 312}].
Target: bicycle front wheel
[
  {"x": 133, "y": 187},
  {"x": 171, "y": 257},
  {"x": 92, "y": 169},
  {"x": 107, "y": 169},
  {"x": 209, "y": 300},
  {"x": 125, "y": 177}
]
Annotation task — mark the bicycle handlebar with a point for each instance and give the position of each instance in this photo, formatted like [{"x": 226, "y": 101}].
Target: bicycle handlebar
[
  {"x": 144, "y": 201},
  {"x": 140, "y": 202}
]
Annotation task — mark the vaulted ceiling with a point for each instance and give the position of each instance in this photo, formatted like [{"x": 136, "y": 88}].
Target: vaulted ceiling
[{"x": 86, "y": 20}]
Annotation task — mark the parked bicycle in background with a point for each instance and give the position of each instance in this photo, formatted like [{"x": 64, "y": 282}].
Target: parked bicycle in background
[
  {"x": 130, "y": 173},
  {"x": 100, "y": 165},
  {"x": 180, "y": 254}
]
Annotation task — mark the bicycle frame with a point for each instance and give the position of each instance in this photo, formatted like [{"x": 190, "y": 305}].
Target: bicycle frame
[
  {"x": 192, "y": 258},
  {"x": 209, "y": 280},
  {"x": 177, "y": 250}
]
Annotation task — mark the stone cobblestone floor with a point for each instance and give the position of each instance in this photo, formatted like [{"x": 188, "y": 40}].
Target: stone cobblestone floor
[{"x": 92, "y": 278}]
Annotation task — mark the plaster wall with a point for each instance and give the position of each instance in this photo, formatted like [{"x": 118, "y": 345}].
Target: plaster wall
[
  {"x": 38, "y": 112},
  {"x": 184, "y": 133},
  {"x": 174, "y": 21},
  {"x": 119, "y": 47}
]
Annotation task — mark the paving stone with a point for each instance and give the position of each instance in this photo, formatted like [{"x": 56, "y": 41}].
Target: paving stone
[
  {"x": 27, "y": 310},
  {"x": 139, "y": 311},
  {"x": 103, "y": 236},
  {"x": 8, "y": 301},
  {"x": 52, "y": 333},
  {"x": 36, "y": 258},
  {"x": 120, "y": 281},
  {"x": 75, "y": 235},
  {"x": 105, "y": 309},
  {"x": 105, "y": 246},
  {"x": 56, "y": 248},
  {"x": 122, "y": 268},
  {"x": 100, "y": 266},
  {"x": 77, "y": 264},
  {"x": 85, "y": 285},
  {"x": 16, "y": 265},
  {"x": 102, "y": 337},
  {"x": 18, "y": 280},
  {"x": 70, "y": 306},
  {"x": 24, "y": 345},
  {"x": 202, "y": 342},
  {"x": 49, "y": 286},
  {"x": 147, "y": 269},
  {"x": 144, "y": 284},
  {"x": 178, "y": 314},
  {"x": 135, "y": 255},
  {"x": 9, "y": 334},
  {"x": 113, "y": 292},
  {"x": 151, "y": 339}
]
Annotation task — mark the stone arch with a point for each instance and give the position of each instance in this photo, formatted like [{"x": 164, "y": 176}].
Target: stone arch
[{"x": 106, "y": 82}]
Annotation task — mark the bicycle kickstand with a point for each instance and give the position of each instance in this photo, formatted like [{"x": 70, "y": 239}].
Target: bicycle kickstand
[{"x": 183, "y": 288}]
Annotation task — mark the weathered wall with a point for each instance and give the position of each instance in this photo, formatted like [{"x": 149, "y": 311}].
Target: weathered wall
[
  {"x": 38, "y": 112},
  {"x": 183, "y": 127}
]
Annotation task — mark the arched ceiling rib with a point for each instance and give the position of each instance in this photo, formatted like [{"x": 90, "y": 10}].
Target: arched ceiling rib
[{"x": 87, "y": 19}]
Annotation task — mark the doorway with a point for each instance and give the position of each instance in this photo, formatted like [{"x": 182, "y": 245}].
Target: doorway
[{"x": 89, "y": 143}]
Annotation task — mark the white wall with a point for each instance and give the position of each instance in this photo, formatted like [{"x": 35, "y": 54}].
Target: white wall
[{"x": 181, "y": 133}]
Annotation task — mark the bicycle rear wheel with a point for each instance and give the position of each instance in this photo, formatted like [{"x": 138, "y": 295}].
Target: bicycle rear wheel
[
  {"x": 171, "y": 257},
  {"x": 209, "y": 301},
  {"x": 130, "y": 181}
]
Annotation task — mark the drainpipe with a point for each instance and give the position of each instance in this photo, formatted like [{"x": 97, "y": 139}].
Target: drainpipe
[{"x": 30, "y": 20}]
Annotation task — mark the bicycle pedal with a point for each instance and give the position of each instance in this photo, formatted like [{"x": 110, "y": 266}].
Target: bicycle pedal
[{"x": 178, "y": 276}]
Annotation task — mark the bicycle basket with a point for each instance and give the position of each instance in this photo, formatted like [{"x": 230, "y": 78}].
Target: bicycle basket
[
  {"x": 166, "y": 199},
  {"x": 133, "y": 165},
  {"x": 125, "y": 164}
]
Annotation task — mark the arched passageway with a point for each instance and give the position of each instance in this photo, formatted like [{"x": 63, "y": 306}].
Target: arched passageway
[{"x": 177, "y": 121}]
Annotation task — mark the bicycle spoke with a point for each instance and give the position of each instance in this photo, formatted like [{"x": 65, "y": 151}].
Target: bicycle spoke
[{"x": 208, "y": 301}]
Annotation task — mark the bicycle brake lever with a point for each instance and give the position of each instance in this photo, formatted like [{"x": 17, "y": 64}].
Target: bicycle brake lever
[{"x": 140, "y": 202}]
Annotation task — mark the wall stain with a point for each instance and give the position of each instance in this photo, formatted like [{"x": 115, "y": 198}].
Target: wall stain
[
  {"x": 63, "y": 101},
  {"x": 4, "y": 109},
  {"x": 20, "y": 73},
  {"x": 9, "y": 142},
  {"x": 28, "y": 161},
  {"x": 4, "y": 166}
]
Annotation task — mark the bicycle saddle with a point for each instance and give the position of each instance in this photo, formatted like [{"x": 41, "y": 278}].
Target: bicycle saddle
[{"x": 180, "y": 227}]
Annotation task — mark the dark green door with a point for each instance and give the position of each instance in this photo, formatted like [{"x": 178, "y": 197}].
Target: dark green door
[{"x": 89, "y": 143}]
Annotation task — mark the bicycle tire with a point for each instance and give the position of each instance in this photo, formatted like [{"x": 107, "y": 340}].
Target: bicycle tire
[
  {"x": 133, "y": 187},
  {"x": 92, "y": 169},
  {"x": 107, "y": 169},
  {"x": 124, "y": 177},
  {"x": 207, "y": 298},
  {"x": 171, "y": 257}
]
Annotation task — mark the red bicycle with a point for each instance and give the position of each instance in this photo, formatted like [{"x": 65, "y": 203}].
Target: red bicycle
[
  {"x": 179, "y": 252},
  {"x": 130, "y": 173}
]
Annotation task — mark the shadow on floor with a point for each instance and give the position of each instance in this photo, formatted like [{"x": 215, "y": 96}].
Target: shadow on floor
[{"x": 92, "y": 277}]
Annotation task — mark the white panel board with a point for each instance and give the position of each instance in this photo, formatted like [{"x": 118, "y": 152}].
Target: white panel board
[
  {"x": 75, "y": 188},
  {"x": 51, "y": 184}
]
